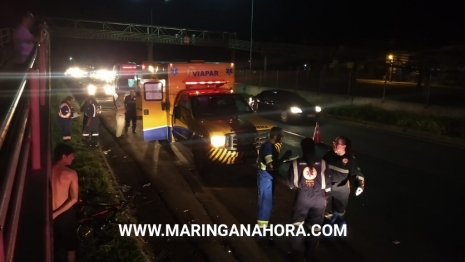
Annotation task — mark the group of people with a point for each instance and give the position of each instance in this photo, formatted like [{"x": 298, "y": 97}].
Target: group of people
[
  {"x": 90, "y": 124},
  {"x": 323, "y": 185},
  {"x": 126, "y": 116}
]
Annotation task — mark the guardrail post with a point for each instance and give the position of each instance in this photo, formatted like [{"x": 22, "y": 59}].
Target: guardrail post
[
  {"x": 43, "y": 72},
  {"x": 33, "y": 79}
]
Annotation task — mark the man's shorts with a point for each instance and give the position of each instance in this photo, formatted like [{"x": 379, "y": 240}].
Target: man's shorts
[{"x": 65, "y": 231}]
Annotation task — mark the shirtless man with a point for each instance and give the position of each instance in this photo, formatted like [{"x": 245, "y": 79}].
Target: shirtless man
[{"x": 64, "y": 195}]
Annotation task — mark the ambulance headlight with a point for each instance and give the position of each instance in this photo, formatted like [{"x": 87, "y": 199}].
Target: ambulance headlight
[
  {"x": 296, "y": 110},
  {"x": 91, "y": 89},
  {"x": 109, "y": 90},
  {"x": 317, "y": 109},
  {"x": 218, "y": 141}
]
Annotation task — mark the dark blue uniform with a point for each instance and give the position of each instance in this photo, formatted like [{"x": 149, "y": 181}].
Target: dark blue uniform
[
  {"x": 266, "y": 182},
  {"x": 131, "y": 113},
  {"x": 65, "y": 114},
  {"x": 342, "y": 168},
  {"x": 91, "y": 132},
  {"x": 83, "y": 110},
  {"x": 312, "y": 185}
]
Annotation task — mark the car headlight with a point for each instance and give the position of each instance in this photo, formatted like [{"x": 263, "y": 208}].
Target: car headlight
[
  {"x": 109, "y": 90},
  {"x": 317, "y": 109},
  {"x": 296, "y": 110},
  {"x": 218, "y": 141},
  {"x": 91, "y": 89}
]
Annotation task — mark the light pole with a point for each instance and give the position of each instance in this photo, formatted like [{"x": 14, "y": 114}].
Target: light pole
[
  {"x": 251, "y": 39},
  {"x": 390, "y": 57}
]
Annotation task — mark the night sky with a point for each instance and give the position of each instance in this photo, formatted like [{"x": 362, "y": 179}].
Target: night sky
[{"x": 404, "y": 24}]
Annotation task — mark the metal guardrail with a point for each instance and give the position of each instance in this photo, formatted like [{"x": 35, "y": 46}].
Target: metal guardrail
[
  {"x": 25, "y": 158},
  {"x": 5, "y": 36}
]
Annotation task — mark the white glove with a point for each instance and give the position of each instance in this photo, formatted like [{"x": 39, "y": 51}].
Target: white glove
[{"x": 359, "y": 191}]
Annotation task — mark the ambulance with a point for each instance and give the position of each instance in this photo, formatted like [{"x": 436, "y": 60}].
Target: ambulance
[{"x": 195, "y": 102}]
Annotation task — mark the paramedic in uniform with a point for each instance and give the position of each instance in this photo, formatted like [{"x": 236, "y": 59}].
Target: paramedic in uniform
[
  {"x": 131, "y": 111},
  {"x": 91, "y": 131},
  {"x": 342, "y": 165},
  {"x": 310, "y": 178},
  {"x": 65, "y": 115},
  {"x": 120, "y": 114},
  {"x": 83, "y": 110},
  {"x": 268, "y": 164}
]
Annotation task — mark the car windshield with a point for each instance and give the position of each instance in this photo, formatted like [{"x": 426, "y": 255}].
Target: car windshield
[{"x": 218, "y": 105}]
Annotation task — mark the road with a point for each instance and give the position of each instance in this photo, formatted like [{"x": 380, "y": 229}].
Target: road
[
  {"x": 413, "y": 193},
  {"x": 411, "y": 190}
]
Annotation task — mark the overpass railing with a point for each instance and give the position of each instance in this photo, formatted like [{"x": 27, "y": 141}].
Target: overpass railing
[{"x": 25, "y": 159}]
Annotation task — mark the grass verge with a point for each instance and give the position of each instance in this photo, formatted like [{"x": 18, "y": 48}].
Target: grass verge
[
  {"x": 440, "y": 126},
  {"x": 95, "y": 184}
]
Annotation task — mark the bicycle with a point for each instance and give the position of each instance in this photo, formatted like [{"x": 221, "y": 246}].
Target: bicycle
[{"x": 101, "y": 225}]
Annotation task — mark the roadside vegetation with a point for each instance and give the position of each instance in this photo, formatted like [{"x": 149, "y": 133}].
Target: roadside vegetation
[
  {"x": 95, "y": 185},
  {"x": 440, "y": 126}
]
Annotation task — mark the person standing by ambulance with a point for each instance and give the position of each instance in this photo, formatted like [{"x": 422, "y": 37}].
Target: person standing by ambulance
[
  {"x": 312, "y": 181},
  {"x": 342, "y": 165},
  {"x": 83, "y": 110},
  {"x": 131, "y": 111},
  {"x": 65, "y": 115},
  {"x": 91, "y": 131},
  {"x": 268, "y": 164},
  {"x": 120, "y": 114}
]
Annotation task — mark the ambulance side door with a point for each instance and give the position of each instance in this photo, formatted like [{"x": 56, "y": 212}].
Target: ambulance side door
[
  {"x": 182, "y": 118},
  {"x": 154, "y": 117}
]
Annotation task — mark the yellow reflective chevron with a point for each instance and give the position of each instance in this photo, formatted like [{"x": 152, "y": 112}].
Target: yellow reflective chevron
[
  {"x": 228, "y": 157},
  {"x": 278, "y": 146}
]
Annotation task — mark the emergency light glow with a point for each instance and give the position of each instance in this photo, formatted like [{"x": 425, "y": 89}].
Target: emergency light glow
[{"x": 203, "y": 82}]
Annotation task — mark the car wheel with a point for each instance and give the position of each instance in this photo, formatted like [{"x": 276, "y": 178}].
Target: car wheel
[{"x": 284, "y": 117}]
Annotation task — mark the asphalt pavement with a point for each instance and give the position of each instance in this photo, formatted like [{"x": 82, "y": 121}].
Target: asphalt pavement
[{"x": 408, "y": 212}]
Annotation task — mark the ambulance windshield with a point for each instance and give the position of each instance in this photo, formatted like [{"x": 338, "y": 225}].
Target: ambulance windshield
[{"x": 219, "y": 105}]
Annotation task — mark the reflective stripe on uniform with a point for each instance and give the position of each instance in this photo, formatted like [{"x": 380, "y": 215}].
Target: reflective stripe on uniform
[
  {"x": 296, "y": 173},
  {"x": 278, "y": 147},
  {"x": 298, "y": 223},
  {"x": 262, "y": 223},
  {"x": 322, "y": 172},
  {"x": 94, "y": 134},
  {"x": 360, "y": 178},
  {"x": 61, "y": 114},
  {"x": 338, "y": 169},
  {"x": 268, "y": 159}
]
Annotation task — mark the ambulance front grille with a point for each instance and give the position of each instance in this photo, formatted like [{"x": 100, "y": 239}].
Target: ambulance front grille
[{"x": 246, "y": 140}]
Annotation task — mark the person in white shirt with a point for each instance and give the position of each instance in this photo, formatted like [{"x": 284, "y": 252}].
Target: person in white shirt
[{"x": 23, "y": 39}]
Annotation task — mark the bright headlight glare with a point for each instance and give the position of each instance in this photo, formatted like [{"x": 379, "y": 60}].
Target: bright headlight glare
[
  {"x": 218, "y": 141},
  {"x": 296, "y": 110},
  {"x": 109, "y": 90},
  {"x": 91, "y": 89},
  {"x": 317, "y": 109}
]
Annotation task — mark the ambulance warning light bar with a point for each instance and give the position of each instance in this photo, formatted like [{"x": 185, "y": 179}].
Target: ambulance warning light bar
[{"x": 206, "y": 82}]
